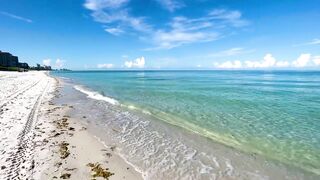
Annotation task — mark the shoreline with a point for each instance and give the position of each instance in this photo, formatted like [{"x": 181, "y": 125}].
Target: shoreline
[
  {"x": 48, "y": 143},
  {"x": 60, "y": 132},
  {"x": 232, "y": 168}
]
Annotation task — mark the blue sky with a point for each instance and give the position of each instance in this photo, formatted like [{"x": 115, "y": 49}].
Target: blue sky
[{"x": 163, "y": 34}]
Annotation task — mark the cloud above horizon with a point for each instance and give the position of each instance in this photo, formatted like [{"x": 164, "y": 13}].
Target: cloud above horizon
[
  {"x": 137, "y": 63},
  {"x": 176, "y": 31},
  {"x": 304, "y": 60},
  {"x": 105, "y": 66},
  {"x": 58, "y": 63},
  {"x": 46, "y": 62}
]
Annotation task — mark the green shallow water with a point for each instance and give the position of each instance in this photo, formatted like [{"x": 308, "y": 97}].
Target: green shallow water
[{"x": 272, "y": 113}]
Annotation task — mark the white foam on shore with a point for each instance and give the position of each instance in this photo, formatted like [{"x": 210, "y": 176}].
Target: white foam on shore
[
  {"x": 123, "y": 157},
  {"x": 96, "y": 95}
]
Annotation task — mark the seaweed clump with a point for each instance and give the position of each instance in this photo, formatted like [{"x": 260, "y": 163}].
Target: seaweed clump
[
  {"x": 63, "y": 123},
  {"x": 98, "y": 171},
  {"x": 65, "y": 176},
  {"x": 64, "y": 151}
]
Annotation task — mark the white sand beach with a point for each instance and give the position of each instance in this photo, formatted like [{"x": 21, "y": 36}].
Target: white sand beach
[{"x": 39, "y": 141}]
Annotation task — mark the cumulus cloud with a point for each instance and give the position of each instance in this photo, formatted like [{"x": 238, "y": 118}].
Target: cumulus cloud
[
  {"x": 268, "y": 61},
  {"x": 105, "y": 66},
  {"x": 316, "y": 60},
  {"x": 302, "y": 61},
  {"x": 137, "y": 63},
  {"x": 46, "y": 62},
  {"x": 59, "y": 63},
  {"x": 282, "y": 64}
]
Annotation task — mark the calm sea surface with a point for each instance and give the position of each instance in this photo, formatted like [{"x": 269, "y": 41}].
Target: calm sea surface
[{"x": 272, "y": 113}]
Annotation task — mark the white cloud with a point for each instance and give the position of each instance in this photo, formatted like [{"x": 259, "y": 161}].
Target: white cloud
[
  {"x": 115, "y": 15},
  {"x": 137, "y": 63},
  {"x": 170, "y": 5},
  {"x": 232, "y": 17},
  {"x": 114, "y": 31},
  {"x": 168, "y": 40},
  {"x": 46, "y": 62},
  {"x": 122, "y": 19},
  {"x": 16, "y": 17},
  {"x": 183, "y": 30},
  {"x": 268, "y": 61},
  {"x": 316, "y": 60},
  {"x": 101, "y": 4},
  {"x": 229, "y": 65},
  {"x": 312, "y": 42},
  {"x": 302, "y": 60},
  {"x": 59, "y": 63},
  {"x": 282, "y": 64},
  {"x": 230, "y": 52},
  {"x": 105, "y": 66}
]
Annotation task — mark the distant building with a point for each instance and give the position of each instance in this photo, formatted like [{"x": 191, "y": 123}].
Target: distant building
[
  {"x": 14, "y": 62},
  {"x": 10, "y": 62},
  {"x": 5, "y": 59}
]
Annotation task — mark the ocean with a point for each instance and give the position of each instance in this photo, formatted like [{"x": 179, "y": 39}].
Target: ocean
[{"x": 167, "y": 121}]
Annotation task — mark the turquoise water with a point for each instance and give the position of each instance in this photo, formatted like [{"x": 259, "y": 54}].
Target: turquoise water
[{"x": 272, "y": 113}]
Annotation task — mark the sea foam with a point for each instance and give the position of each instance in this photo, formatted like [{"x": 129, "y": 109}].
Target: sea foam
[{"x": 96, "y": 95}]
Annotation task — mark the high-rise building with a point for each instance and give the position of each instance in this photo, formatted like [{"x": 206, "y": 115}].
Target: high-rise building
[{"x": 8, "y": 60}]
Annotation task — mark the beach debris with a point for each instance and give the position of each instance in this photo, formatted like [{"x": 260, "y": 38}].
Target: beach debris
[
  {"x": 113, "y": 148},
  {"x": 115, "y": 130},
  {"x": 58, "y": 164},
  {"x": 65, "y": 176},
  {"x": 64, "y": 151},
  {"x": 57, "y": 134},
  {"x": 84, "y": 117},
  {"x": 71, "y": 128},
  {"x": 45, "y": 140},
  {"x": 70, "y": 169},
  {"x": 108, "y": 154},
  {"x": 98, "y": 171},
  {"x": 62, "y": 123}
]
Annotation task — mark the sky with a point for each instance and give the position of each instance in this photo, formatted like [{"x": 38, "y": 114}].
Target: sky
[{"x": 163, "y": 34}]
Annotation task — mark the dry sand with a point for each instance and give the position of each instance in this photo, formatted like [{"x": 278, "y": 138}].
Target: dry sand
[{"x": 39, "y": 141}]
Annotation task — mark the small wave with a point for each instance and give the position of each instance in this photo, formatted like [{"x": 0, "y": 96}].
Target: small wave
[
  {"x": 132, "y": 107},
  {"x": 96, "y": 95},
  {"x": 64, "y": 78}
]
